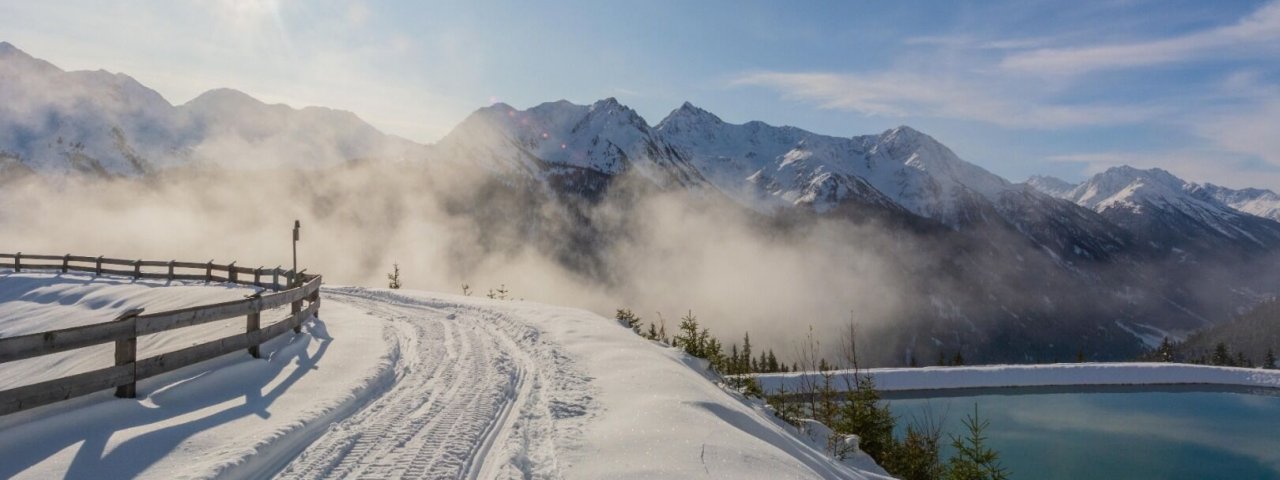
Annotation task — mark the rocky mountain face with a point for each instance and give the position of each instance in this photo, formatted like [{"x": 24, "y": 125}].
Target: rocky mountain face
[
  {"x": 1176, "y": 216},
  {"x": 1004, "y": 271}
]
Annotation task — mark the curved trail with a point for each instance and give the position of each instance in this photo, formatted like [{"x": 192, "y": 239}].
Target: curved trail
[{"x": 475, "y": 396}]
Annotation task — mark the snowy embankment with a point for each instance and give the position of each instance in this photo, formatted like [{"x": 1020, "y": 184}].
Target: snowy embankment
[
  {"x": 234, "y": 416},
  {"x": 1054, "y": 375},
  {"x": 391, "y": 384}
]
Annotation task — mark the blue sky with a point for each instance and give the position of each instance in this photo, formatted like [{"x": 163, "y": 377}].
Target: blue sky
[{"x": 1019, "y": 87}]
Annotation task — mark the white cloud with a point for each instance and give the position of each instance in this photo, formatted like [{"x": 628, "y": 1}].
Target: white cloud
[
  {"x": 1256, "y": 33},
  {"x": 902, "y": 94}
]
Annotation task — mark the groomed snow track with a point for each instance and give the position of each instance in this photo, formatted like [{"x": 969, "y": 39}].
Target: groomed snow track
[{"x": 459, "y": 377}]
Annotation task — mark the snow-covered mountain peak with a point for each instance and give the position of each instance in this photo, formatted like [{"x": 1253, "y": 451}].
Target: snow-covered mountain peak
[
  {"x": 13, "y": 60},
  {"x": 223, "y": 96},
  {"x": 687, "y": 117},
  {"x": 605, "y": 137},
  {"x": 1254, "y": 201},
  {"x": 1128, "y": 186},
  {"x": 1050, "y": 185}
]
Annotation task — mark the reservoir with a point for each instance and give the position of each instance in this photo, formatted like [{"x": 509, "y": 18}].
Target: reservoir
[{"x": 1173, "y": 433}]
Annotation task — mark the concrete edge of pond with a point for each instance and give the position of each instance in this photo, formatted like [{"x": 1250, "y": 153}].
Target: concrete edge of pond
[{"x": 928, "y": 382}]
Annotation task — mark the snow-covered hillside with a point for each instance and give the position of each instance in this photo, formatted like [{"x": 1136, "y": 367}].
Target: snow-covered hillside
[
  {"x": 103, "y": 124},
  {"x": 392, "y": 384}
]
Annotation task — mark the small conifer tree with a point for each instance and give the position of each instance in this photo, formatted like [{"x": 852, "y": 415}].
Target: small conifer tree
[
  {"x": 973, "y": 459},
  {"x": 1221, "y": 355},
  {"x": 628, "y": 319},
  {"x": 688, "y": 338},
  {"x": 393, "y": 278},
  {"x": 1164, "y": 353}
]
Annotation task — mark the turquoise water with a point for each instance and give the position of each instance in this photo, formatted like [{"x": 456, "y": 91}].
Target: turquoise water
[{"x": 1156, "y": 435}]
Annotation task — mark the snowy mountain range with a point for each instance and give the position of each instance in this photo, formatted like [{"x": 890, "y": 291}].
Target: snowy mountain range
[
  {"x": 1170, "y": 212},
  {"x": 1111, "y": 262},
  {"x": 100, "y": 123}
]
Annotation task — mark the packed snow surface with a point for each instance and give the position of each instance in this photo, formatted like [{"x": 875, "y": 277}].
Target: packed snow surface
[
  {"x": 392, "y": 384},
  {"x": 1061, "y": 374}
]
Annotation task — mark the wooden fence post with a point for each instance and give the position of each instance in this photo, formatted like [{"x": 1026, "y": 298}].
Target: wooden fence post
[
  {"x": 315, "y": 297},
  {"x": 171, "y": 262},
  {"x": 17, "y": 263},
  {"x": 137, "y": 269},
  {"x": 275, "y": 279},
  {"x": 127, "y": 354},
  {"x": 65, "y": 260},
  {"x": 208, "y": 272},
  {"x": 231, "y": 272},
  {"x": 98, "y": 268},
  {"x": 297, "y": 322},
  {"x": 257, "y": 277},
  {"x": 254, "y": 323}
]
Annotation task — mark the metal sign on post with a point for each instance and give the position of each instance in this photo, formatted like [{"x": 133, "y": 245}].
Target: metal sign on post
[{"x": 297, "y": 226}]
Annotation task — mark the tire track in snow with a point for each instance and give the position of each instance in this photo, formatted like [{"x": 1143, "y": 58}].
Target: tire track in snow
[{"x": 471, "y": 400}]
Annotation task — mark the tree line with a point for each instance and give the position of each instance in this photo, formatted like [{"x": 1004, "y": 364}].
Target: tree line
[{"x": 856, "y": 410}]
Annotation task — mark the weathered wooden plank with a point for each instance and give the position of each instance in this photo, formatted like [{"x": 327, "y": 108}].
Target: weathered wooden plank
[
  {"x": 112, "y": 271},
  {"x": 167, "y": 362},
  {"x": 7, "y": 255},
  {"x": 44, "y": 343},
  {"x": 155, "y": 263},
  {"x": 44, "y": 393},
  {"x": 199, "y": 265},
  {"x": 115, "y": 261},
  {"x": 78, "y": 268},
  {"x": 179, "y": 359},
  {"x": 26, "y": 257},
  {"x": 6, "y": 265},
  {"x": 186, "y": 317},
  {"x": 35, "y": 266},
  {"x": 245, "y": 270},
  {"x": 81, "y": 258}
]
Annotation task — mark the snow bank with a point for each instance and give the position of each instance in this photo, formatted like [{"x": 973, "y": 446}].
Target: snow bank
[
  {"x": 231, "y": 417},
  {"x": 390, "y": 384},
  {"x": 1061, "y": 374},
  {"x": 658, "y": 415},
  {"x": 550, "y": 392}
]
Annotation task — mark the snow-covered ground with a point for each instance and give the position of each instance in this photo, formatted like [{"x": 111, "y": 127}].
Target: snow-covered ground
[
  {"x": 1061, "y": 374},
  {"x": 393, "y": 384},
  {"x": 233, "y": 416}
]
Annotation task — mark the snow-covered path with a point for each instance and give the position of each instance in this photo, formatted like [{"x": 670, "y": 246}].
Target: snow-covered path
[
  {"x": 393, "y": 384},
  {"x": 457, "y": 383}
]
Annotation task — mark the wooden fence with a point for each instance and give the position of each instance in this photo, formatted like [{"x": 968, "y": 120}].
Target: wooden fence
[{"x": 126, "y": 328}]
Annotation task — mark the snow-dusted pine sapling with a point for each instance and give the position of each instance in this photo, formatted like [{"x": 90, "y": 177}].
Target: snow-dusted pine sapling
[
  {"x": 628, "y": 319},
  {"x": 393, "y": 278},
  {"x": 662, "y": 329},
  {"x": 1269, "y": 361},
  {"x": 973, "y": 459},
  {"x": 688, "y": 338},
  {"x": 916, "y": 456}
]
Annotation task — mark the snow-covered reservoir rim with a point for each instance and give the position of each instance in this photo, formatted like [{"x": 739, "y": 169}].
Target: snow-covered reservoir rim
[{"x": 1061, "y": 374}]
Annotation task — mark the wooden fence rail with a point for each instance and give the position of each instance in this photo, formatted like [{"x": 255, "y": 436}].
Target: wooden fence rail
[{"x": 125, "y": 329}]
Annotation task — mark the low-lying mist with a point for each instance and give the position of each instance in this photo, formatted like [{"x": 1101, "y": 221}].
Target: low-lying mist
[{"x": 658, "y": 253}]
